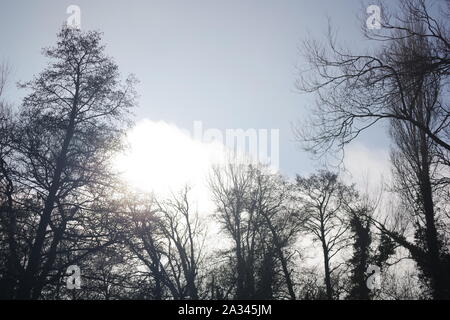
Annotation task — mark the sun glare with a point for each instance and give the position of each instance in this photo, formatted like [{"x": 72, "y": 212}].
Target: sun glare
[{"x": 163, "y": 158}]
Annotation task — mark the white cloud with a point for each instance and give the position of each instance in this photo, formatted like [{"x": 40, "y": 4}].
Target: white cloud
[
  {"x": 162, "y": 158},
  {"x": 368, "y": 168}
]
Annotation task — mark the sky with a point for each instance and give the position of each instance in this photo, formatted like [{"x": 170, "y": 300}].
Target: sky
[{"x": 228, "y": 64}]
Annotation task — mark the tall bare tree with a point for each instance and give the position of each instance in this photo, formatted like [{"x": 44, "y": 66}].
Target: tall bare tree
[
  {"x": 416, "y": 160},
  {"x": 403, "y": 82},
  {"x": 256, "y": 210},
  {"x": 323, "y": 198},
  {"x": 8, "y": 215},
  {"x": 355, "y": 91},
  {"x": 69, "y": 127},
  {"x": 183, "y": 230},
  {"x": 167, "y": 238}
]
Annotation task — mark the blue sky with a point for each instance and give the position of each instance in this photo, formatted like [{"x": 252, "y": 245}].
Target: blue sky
[{"x": 229, "y": 64}]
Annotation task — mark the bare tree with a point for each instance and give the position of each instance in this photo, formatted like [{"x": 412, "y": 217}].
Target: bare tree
[
  {"x": 355, "y": 91},
  {"x": 402, "y": 82},
  {"x": 230, "y": 187},
  {"x": 142, "y": 236},
  {"x": 417, "y": 164},
  {"x": 69, "y": 127},
  {"x": 8, "y": 215},
  {"x": 257, "y": 211},
  {"x": 184, "y": 232},
  {"x": 323, "y": 198},
  {"x": 274, "y": 201},
  {"x": 167, "y": 238}
]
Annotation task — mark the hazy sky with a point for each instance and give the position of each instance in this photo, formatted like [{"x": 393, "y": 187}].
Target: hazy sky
[{"x": 228, "y": 63}]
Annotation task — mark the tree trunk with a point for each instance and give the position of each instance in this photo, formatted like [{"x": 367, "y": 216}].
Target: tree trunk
[
  {"x": 326, "y": 262},
  {"x": 437, "y": 273},
  {"x": 28, "y": 281},
  {"x": 9, "y": 281}
]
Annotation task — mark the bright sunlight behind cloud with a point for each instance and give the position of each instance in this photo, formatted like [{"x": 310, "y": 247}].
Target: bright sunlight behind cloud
[{"x": 162, "y": 158}]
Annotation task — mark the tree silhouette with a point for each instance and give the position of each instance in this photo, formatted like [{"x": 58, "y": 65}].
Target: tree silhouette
[
  {"x": 62, "y": 203},
  {"x": 323, "y": 199},
  {"x": 402, "y": 82},
  {"x": 69, "y": 126}
]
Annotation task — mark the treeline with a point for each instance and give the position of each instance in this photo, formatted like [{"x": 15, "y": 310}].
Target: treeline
[{"x": 314, "y": 237}]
